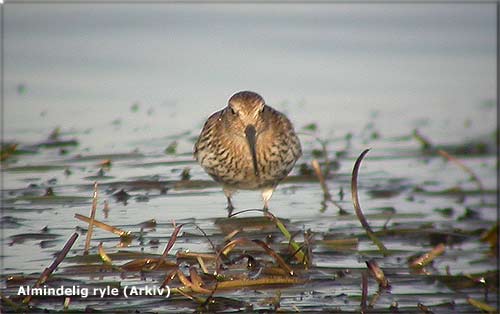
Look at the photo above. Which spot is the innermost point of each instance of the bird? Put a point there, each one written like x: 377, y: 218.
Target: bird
x: 247, y: 145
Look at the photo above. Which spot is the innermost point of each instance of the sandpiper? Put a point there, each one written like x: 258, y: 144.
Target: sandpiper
x: 247, y: 145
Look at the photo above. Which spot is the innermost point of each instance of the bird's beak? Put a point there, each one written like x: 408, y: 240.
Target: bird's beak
x: 250, y: 134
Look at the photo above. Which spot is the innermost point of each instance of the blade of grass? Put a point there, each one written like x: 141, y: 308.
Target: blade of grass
x: 7, y: 301
x: 202, y: 264
x: 103, y: 255
x: 428, y: 257
x: 195, y: 278
x: 340, y: 243
x: 232, y: 234
x: 321, y: 178
x: 106, y: 259
x: 106, y: 227
x: 364, y: 291
x: 378, y: 274
x: 49, y: 270
x: 357, y: 207
x: 482, y: 306
x: 169, y: 277
x: 146, y: 264
x: 248, y: 283
x: 245, y: 211
x: 194, y: 255
x: 204, y: 235
x: 170, y: 243
x: 464, y: 168
x: 296, y: 248
x: 188, y: 284
x: 491, y: 237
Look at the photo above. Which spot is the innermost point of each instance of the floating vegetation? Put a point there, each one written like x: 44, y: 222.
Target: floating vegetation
x: 171, y: 148
x: 418, y: 245
x: 35, y: 168
x: 7, y: 150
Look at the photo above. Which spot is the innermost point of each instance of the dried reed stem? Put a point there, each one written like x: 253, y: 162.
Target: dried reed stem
x: 91, y: 222
x: 104, y: 226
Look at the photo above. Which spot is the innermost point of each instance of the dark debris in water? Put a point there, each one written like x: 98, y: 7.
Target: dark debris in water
x: 23, y: 237
x: 439, y: 256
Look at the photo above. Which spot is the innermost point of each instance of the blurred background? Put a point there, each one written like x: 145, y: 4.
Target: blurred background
x: 124, y: 76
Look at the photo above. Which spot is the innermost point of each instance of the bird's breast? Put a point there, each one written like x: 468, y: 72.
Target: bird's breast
x: 228, y: 158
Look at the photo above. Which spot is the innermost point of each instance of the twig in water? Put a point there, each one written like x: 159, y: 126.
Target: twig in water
x: 424, y: 142
x: 326, y: 194
x: 102, y: 225
x: 193, y: 255
x: 364, y: 290
x: 378, y: 274
x: 245, y: 211
x: 195, y: 278
x: 232, y: 234
x: 428, y: 257
x: 427, y: 145
x: 374, y: 298
x: 321, y: 178
x: 203, y: 233
x: 202, y: 264
x: 249, y: 283
x: 169, y: 277
x: 466, y: 169
x: 424, y: 308
x: 91, y: 222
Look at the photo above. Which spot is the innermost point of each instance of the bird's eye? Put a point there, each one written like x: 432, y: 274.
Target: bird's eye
x: 232, y: 110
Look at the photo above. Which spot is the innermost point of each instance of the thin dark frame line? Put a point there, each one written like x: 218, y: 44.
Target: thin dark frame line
x: 250, y: 2
x: 2, y: 126
x: 498, y: 135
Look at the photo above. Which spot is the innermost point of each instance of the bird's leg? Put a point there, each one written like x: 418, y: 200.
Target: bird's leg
x: 266, y: 195
x: 266, y: 207
x: 228, y: 192
x: 229, y: 207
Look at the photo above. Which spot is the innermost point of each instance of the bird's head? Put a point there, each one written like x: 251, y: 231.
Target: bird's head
x: 246, y: 107
x: 244, y: 113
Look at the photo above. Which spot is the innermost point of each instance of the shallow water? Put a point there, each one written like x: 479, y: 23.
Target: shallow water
x: 125, y: 81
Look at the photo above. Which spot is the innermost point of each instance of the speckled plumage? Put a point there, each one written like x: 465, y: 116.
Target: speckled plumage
x: 248, y: 145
